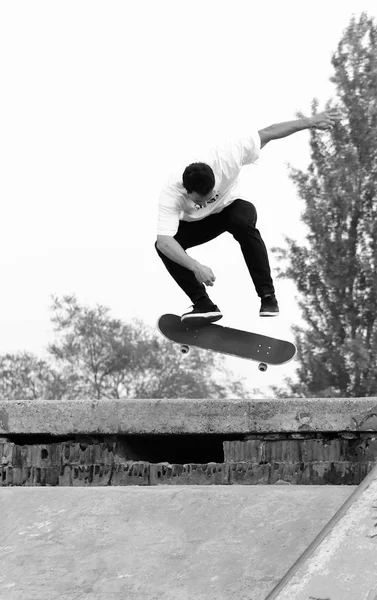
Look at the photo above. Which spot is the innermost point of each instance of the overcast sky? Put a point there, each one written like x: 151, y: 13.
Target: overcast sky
x: 99, y: 101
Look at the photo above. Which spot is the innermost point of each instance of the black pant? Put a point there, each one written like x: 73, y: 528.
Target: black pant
x: 239, y: 219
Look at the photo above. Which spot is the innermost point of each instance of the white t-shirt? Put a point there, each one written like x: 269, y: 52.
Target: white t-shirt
x: 226, y: 162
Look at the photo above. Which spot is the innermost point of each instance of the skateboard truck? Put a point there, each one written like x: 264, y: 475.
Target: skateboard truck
x: 185, y: 349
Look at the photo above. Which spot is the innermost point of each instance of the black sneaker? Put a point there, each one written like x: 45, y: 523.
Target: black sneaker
x: 269, y: 306
x: 203, y: 311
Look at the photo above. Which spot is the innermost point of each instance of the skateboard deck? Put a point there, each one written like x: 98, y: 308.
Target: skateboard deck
x: 253, y: 346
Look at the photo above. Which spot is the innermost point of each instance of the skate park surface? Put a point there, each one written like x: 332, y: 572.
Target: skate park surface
x: 304, y: 542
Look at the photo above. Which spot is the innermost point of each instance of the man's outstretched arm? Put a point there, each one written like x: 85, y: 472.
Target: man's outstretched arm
x: 323, y: 120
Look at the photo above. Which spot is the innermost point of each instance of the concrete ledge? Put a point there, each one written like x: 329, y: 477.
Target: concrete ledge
x: 184, y: 416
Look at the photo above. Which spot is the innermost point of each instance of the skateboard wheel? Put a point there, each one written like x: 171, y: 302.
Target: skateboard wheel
x: 262, y: 367
x: 185, y: 349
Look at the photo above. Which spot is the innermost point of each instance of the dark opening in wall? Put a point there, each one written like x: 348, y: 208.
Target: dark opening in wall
x: 175, y: 449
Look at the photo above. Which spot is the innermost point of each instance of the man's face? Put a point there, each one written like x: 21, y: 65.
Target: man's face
x: 201, y: 200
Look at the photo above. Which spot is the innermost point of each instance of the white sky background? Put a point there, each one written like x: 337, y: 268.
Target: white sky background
x: 99, y: 100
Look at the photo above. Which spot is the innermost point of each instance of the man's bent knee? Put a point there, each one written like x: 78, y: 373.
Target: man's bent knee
x: 243, y: 214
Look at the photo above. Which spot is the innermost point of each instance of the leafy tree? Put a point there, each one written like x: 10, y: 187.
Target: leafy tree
x: 336, y: 270
x: 98, y: 356
x: 24, y: 376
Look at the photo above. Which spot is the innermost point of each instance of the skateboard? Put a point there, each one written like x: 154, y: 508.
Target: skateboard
x: 235, y: 342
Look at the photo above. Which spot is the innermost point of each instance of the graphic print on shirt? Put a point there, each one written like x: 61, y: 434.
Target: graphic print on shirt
x: 199, y: 206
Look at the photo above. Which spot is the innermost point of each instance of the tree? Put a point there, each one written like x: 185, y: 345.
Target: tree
x: 336, y: 270
x: 98, y: 356
x: 24, y: 376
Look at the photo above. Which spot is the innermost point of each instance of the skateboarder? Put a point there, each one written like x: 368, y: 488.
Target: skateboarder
x: 201, y: 203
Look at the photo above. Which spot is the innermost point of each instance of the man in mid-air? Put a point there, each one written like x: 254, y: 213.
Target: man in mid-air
x: 199, y: 204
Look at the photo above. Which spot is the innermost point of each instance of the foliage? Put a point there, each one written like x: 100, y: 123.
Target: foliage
x: 335, y: 271
x: 23, y: 375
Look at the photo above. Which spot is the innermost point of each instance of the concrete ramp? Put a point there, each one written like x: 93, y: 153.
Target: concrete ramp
x: 341, y: 563
x: 157, y: 543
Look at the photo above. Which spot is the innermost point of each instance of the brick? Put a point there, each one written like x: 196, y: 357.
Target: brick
x: 243, y: 473
x: 188, y: 474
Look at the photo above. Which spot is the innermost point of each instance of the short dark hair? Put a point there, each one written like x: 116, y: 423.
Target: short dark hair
x: 198, y: 177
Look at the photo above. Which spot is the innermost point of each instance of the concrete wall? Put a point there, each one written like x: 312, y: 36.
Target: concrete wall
x: 186, y: 442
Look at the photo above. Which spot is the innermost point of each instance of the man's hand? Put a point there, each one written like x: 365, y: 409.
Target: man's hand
x: 325, y: 120
x: 204, y: 274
